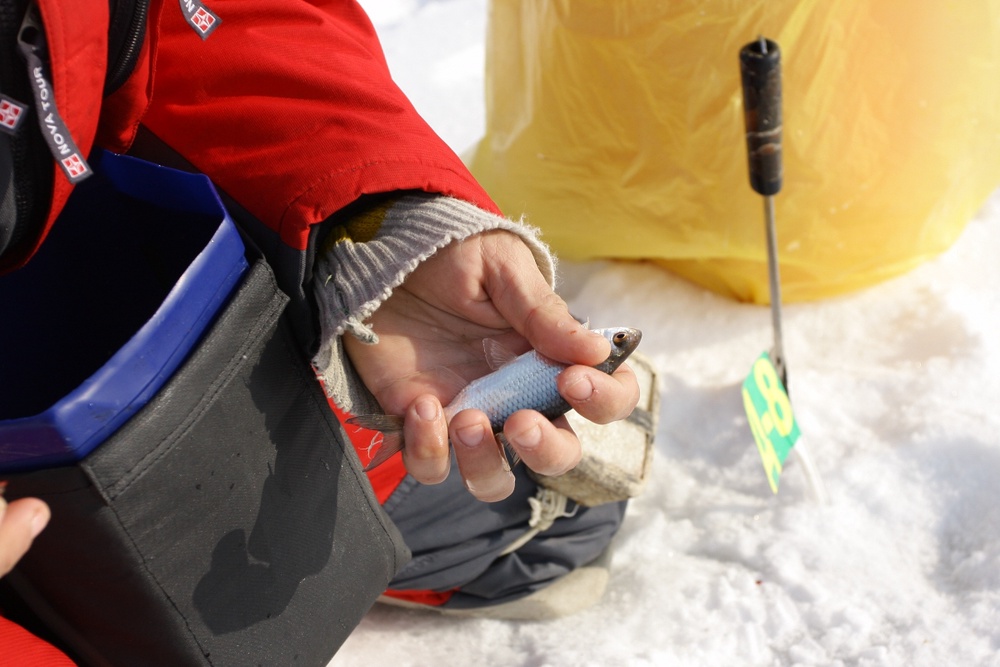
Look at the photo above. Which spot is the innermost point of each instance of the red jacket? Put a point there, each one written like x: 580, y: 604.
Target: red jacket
x: 288, y: 106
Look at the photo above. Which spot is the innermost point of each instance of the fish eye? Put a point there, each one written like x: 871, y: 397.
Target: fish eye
x: 619, y: 338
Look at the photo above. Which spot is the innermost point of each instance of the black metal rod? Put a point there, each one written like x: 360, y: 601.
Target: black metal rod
x: 760, y: 71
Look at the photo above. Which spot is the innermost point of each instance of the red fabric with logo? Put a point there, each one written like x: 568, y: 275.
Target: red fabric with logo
x: 289, y: 107
x: 77, y: 36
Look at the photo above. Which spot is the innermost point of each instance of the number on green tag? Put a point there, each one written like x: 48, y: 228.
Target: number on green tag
x: 770, y: 414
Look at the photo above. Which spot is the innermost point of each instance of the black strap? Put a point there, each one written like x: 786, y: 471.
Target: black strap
x: 34, y: 47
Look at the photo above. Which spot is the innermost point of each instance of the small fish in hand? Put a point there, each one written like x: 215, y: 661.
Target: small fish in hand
x: 526, y: 382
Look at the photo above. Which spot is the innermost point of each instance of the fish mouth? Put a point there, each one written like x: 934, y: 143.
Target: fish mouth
x: 623, y: 341
x: 627, y: 339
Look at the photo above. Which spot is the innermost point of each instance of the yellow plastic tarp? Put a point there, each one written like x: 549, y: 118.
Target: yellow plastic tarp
x: 617, y: 127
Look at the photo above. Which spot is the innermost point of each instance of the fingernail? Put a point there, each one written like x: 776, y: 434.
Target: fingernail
x: 38, y: 523
x: 427, y: 410
x: 493, y: 488
x: 471, y: 436
x: 529, y: 438
x: 580, y: 389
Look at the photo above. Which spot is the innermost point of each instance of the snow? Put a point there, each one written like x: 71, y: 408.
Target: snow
x: 896, y: 390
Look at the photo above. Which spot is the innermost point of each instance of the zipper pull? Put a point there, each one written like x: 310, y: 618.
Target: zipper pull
x: 201, y: 19
x: 31, y: 41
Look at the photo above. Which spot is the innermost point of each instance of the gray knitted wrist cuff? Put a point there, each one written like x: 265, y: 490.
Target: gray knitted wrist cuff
x: 352, y: 279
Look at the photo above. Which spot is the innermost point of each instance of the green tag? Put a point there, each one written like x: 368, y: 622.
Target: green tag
x: 771, y: 419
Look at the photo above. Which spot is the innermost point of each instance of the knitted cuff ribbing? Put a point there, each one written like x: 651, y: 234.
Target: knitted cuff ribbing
x: 352, y: 279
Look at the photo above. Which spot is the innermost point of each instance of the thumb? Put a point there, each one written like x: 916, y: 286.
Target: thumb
x: 526, y: 300
x: 20, y: 522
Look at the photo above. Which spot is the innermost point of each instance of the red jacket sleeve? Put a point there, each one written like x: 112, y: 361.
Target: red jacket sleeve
x: 290, y: 108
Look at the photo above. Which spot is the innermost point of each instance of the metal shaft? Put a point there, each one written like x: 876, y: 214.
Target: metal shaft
x: 774, y: 279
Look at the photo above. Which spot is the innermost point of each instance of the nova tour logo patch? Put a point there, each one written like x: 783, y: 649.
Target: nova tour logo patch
x: 202, y: 19
x: 12, y: 113
x: 76, y: 167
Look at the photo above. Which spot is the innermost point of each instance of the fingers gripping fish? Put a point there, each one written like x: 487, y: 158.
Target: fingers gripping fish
x: 526, y: 382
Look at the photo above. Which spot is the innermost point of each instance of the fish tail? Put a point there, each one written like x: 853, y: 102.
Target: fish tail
x: 389, y: 439
x: 387, y: 442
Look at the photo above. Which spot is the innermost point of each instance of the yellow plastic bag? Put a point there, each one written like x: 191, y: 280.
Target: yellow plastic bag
x: 617, y: 128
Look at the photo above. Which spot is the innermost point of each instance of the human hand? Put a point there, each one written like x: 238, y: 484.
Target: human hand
x: 431, y: 330
x: 20, y: 522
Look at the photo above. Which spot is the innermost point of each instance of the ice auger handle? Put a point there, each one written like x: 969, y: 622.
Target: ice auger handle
x: 760, y: 70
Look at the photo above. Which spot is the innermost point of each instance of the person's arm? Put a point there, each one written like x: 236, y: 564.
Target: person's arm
x: 415, y: 312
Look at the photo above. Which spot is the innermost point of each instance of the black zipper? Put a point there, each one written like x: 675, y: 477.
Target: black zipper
x: 126, y: 34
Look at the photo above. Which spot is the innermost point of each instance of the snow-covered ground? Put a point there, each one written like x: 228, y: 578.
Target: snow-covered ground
x: 896, y: 390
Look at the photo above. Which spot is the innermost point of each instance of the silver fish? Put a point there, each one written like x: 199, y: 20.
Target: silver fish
x: 517, y: 383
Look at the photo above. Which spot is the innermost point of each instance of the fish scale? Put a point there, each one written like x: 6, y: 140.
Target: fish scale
x: 528, y: 382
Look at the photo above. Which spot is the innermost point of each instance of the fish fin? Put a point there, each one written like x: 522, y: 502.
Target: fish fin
x: 386, y: 442
x: 507, y: 449
x: 449, y: 380
x: 497, y: 356
x: 387, y: 446
x: 383, y: 423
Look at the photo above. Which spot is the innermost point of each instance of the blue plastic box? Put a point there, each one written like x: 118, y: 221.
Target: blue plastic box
x: 131, y: 275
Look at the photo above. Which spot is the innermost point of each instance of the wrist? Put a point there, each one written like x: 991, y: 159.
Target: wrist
x: 353, y: 277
